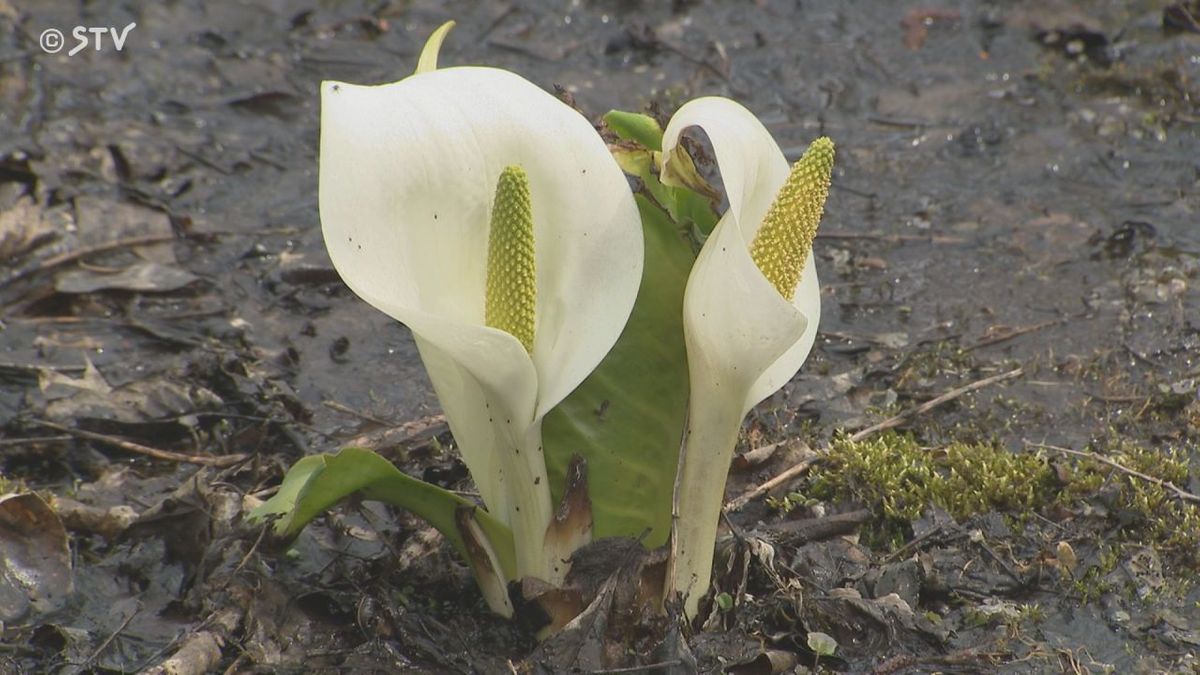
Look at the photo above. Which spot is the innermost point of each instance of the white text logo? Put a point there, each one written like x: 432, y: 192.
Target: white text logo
x: 52, y: 39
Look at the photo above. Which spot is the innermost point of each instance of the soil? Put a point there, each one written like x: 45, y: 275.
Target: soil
x: 1018, y: 185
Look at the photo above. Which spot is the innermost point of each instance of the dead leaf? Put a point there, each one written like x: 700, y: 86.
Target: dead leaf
x: 102, y: 220
x: 768, y: 662
x: 35, y: 562
x: 153, y: 399
x: 753, y: 458
x: 55, y: 385
x: 145, y: 277
x: 107, y: 522
x: 22, y: 229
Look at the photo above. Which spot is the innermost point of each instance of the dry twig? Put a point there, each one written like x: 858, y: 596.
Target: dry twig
x: 200, y: 652
x: 347, y: 410
x: 925, y: 407
x: 416, y: 432
x: 1005, y: 335
x: 895, y: 421
x: 85, y: 251
x: 118, y: 244
x: 138, y: 448
x: 1179, y: 492
x: 777, y: 480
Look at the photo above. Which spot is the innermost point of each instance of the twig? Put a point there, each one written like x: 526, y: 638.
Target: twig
x: 1116, y: 399
x: 925, y: 407
x: 268, y: 160
x: 142, y: 240
x: 937, y: 535
x: 31, y: 367
x: 797, y: 532
x: 347, y: 410
x: 138, y: 448
x: 112, y: 636
x: 71, y: 256
x: 804, y: 464
x: 1180, y: 493
x: 649, y: 667
x: 1142, y: 357
x: 108, y: 522
x: 249, y: 554
x: 415, y: 432
x: 1008, y: 569
x: 779, y: 479
x: 200, y: 652
x: 1012, y: 333
x: 203, y: 160
x: 33, y: 440
x: 897, y: 122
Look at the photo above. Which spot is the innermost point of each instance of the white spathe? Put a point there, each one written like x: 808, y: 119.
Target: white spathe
x: 744, y: 340
x: 408, y: 174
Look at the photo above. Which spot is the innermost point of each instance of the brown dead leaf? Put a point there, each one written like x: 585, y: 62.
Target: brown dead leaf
x: 55, y: 385
x: 101, y: 220
x: 35, y: 562
x: 22, y: 229
x: 768, y: 662
x: 143, y: 277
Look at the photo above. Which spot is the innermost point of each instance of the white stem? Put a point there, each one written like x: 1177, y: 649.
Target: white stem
x: 529, y: 498
x: 713, y: 426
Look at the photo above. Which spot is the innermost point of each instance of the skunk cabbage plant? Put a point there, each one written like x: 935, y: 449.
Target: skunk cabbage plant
x: 589, y: 395
x: 750, y: 310
x: 488, y: 217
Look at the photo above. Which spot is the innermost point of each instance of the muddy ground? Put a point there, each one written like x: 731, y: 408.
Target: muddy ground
x: 1018, y: 186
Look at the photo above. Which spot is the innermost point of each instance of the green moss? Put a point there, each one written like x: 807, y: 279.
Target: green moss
x: 935, y: 360
x: 1005, y: 613
x: 895, y: 475
x: 903, y: 479
x: 1151, y: 512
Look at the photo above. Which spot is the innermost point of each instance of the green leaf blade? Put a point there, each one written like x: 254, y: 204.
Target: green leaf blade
x: 627, y: 418
x: 318, y: 482
x: 635, y: 127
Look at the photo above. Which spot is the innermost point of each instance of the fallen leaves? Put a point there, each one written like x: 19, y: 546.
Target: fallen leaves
x: 36, y: 577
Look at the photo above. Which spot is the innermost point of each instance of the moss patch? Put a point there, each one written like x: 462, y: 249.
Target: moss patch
x: 900, y: 477
x: 893, y: 474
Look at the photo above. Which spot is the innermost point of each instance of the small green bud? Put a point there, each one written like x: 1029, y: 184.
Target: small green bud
x: 511, y: 300
x: 784, y: 242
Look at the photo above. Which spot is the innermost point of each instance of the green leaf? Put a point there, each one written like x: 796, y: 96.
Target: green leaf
x: 724, y: 601
x: 318, y: 482
x: 635, y: 127
x: 627, y: 418
x: 692, y: 196
x: 686, y: 207
x: 634, y: 161
x: 822, y: 644
x: 694, y: 208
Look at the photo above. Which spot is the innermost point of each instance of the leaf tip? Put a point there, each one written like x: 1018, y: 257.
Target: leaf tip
x: 428, y: 61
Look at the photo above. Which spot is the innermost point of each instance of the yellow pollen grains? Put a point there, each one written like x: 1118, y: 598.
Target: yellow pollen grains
x: 783, y: 243
x: 511, y: 298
